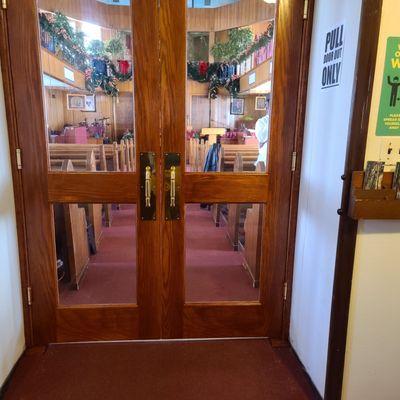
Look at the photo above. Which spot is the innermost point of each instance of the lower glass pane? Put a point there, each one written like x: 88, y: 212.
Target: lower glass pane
x: 223, y: 252
x: 96, y: 253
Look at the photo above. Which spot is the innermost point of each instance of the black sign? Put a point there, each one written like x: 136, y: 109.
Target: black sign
x: 333, y: 58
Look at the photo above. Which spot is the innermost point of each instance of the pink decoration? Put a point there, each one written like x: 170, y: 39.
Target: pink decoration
x: 75, y: 135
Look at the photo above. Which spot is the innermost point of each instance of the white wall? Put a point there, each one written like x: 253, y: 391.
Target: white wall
x: 326, y: 132
x: 372, y: 368
x: 11, y: 318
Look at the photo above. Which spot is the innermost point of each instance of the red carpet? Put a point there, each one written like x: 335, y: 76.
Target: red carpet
x: 202, y: 370
x: 214, y: 271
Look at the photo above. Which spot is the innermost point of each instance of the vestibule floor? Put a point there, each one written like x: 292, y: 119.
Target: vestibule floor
x: 213, y: 271
x: 175, y: 370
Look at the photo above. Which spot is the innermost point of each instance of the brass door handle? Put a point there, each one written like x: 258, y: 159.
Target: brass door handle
x: 172, y: 188
x: 147, y: 187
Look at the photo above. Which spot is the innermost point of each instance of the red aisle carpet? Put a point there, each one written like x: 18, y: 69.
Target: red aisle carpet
x: 202, y: 370
x: 214, y: 271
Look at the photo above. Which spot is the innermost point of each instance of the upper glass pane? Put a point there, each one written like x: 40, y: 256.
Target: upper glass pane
x: 86, y: 57
x: 229, y: 83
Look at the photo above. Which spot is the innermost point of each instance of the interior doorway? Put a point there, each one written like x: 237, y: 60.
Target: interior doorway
x: 200, y: 112
x: 132, y: 231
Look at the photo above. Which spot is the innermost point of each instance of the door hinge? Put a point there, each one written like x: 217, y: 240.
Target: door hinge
x: 305, y: 11
x: 29, y: 295
x: 19, y: 158
x: 285, y: 289
x: 294, y: 161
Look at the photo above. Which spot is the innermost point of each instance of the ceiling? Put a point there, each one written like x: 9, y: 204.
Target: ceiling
x: 208, y: 3
x: 190, y: 3
x: 116, y: 2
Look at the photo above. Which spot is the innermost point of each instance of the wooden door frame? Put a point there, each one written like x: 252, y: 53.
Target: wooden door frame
x: 289, y: 74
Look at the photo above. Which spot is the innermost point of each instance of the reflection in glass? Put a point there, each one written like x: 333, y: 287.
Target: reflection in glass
x: 223, y: 252
x: 86, y: 56
x: 96, y: 253
x: 229, y: 56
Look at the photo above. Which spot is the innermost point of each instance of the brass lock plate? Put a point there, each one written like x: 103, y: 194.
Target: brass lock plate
x: 148, y: 186
x: 172, y: 186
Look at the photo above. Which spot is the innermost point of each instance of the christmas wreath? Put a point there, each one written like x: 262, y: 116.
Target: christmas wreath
x: 104, y: 74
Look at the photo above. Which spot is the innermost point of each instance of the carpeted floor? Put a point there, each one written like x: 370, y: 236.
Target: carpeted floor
x: 197, y: 370
x: 214, y: 271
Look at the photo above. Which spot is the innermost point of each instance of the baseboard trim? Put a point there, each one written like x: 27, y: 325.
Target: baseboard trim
x: 4, y: 386
x: 316, y: 392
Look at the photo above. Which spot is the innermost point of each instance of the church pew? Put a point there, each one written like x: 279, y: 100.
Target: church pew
x: 107, y: 207
x: 75, y: 231
x: 198, y: 150
x: 253, y: 229
x: 86, y: 160
x: 79, y: 165
x: 113, y: 154
x: 236, y: 211
x: 94, y: 211
x: 249, y: 155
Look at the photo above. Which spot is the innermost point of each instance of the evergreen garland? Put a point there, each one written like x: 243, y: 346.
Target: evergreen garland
x: 108, y: 79
x: 262, y: 41
x: 232, y: 84
x: 69, y: 46
x: 67, y: 43
x: 118, y: 75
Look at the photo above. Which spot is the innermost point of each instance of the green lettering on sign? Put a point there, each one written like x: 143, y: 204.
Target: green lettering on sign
x: 389, y: 107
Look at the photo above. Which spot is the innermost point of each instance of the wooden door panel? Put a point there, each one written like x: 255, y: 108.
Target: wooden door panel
x: 229, y: 319
x: 88, y: 323
x: 86, y: 187
x: 235, y: 319
x: 223, y: 188
x: 52, y: 321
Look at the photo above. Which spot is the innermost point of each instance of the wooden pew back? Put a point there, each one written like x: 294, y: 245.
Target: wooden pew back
x: 76, y: 236
x: 253, y: 230
x: 117, y: 157
x: 198, y: 150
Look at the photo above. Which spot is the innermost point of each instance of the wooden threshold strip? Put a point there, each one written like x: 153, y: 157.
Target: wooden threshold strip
x: 92, y: 187
x: 226, y: 188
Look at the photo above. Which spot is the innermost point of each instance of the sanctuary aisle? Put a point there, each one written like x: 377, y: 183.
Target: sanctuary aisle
x: 214, y: 271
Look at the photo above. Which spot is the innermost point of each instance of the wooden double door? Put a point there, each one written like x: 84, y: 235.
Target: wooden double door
x: 161, y: 187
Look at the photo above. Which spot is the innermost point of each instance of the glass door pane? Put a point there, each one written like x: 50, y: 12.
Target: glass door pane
x: 86, y: 62
x: 229, y: 85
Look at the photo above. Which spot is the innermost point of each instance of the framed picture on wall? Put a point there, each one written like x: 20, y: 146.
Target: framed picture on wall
x: 261, y: 103
x: 237, y: 106
x: 90, y: 103
x: 76, y: 102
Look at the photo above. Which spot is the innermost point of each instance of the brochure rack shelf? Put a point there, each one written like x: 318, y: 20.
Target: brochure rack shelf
x: 373, y: 204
